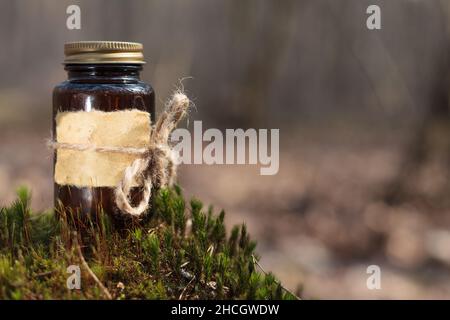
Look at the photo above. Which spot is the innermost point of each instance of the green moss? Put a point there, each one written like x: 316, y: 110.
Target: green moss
x: 182, y: 252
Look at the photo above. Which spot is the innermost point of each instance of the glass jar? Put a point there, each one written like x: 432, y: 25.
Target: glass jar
x: 102, y: 76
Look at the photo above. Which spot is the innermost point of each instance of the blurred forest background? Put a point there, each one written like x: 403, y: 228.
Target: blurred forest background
x: 363, y: 115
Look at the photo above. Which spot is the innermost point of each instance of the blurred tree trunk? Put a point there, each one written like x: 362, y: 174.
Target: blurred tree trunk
x: 267, y: 38
x: 430, y: 147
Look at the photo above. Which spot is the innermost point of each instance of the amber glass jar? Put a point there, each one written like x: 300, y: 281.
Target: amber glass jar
x: 103, y: 76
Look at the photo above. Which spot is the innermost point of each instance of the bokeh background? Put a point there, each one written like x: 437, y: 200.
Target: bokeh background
x: 363, y: 116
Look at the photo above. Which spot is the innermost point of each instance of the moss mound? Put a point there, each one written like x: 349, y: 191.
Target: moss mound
x: 181, y: 252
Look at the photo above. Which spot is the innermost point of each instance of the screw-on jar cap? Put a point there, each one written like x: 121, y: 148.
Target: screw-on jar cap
x: 83, y: 52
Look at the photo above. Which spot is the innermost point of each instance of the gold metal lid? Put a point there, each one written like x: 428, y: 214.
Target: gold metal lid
x: 83, y: 52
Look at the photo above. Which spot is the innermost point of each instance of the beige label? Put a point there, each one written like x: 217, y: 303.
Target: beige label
x: 129, y: 128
